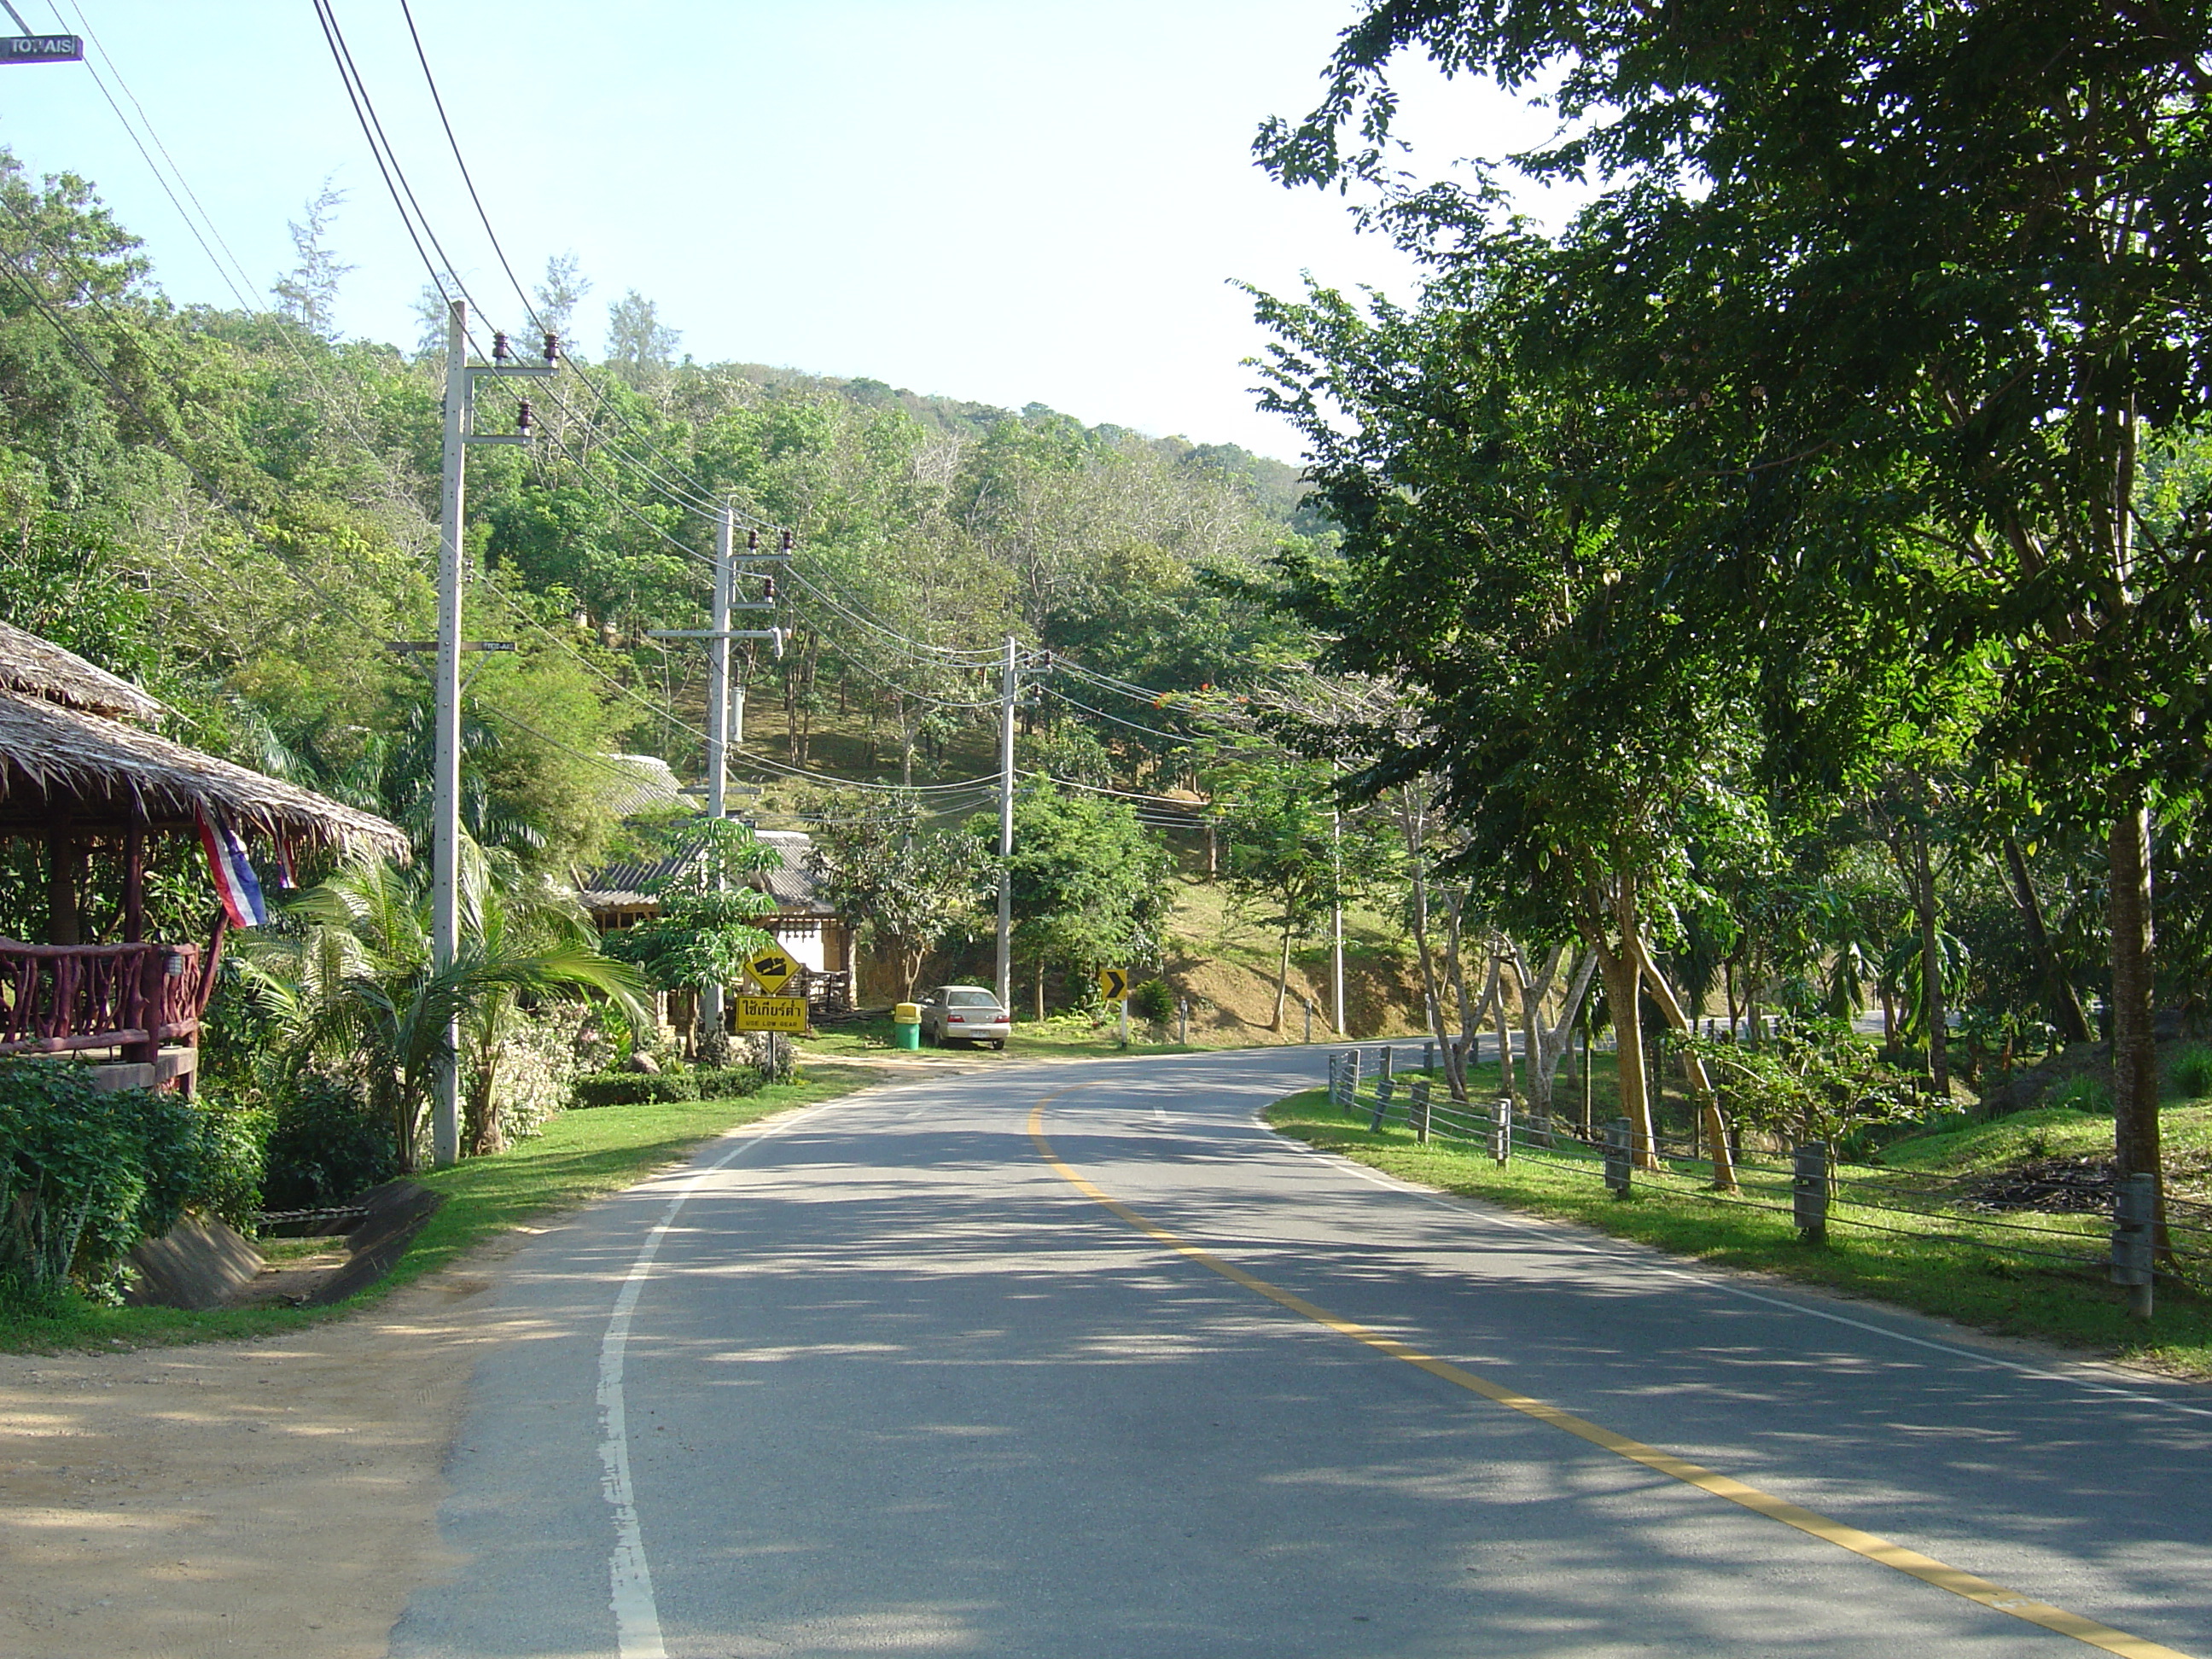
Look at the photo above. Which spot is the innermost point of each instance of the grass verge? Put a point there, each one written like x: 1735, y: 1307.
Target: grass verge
x: 2012, y: 1294
x: 1058, y: 1037
x: 581, y: 1156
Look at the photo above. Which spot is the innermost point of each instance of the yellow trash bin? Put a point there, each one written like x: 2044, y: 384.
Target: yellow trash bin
x: 906, y: 1026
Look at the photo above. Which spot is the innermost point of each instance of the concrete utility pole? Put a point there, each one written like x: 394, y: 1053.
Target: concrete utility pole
x: 1006, y: 960
x: 718, y: 638
x: 718, y: 719
x: 446, y: 682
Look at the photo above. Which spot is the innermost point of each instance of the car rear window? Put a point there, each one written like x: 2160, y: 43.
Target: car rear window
x: 970, y: 999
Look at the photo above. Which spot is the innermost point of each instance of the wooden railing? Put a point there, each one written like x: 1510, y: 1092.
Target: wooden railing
x: 58, y: 998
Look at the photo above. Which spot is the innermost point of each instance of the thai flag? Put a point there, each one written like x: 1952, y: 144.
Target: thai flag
x: 235, y: 882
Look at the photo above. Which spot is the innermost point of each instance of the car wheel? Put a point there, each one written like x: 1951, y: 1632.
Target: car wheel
x: 1000, y: 1045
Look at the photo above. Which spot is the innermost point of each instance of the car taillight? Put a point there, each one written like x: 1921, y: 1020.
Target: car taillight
x: 957, y: 1019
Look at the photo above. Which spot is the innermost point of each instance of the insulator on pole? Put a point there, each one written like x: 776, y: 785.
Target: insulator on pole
x: 786, y: 541
x: 552, y: 348
x: 522, y: 418
x: 499, y: 351
x: 752, y: 541
x: 768, y: 593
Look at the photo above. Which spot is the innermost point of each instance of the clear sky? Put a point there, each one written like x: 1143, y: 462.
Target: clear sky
x: 1004, y: 200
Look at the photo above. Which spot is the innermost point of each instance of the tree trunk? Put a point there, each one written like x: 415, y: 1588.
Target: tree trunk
x: 1589, y: 1079
x: 1455, y: 1048
x: 1709, y: 1100
x: 1416, y: 846
x: 1282, y: 981
x: 1505, y: 1031
x: 2135, y: 1049
x: 1620, y: 996
x: 1040, y: 989
x: 1931, y: 970
x: 2065, y: 1006
x: 1622, y: 1004
x: 484, y: 1137
x: 1556, y: 1041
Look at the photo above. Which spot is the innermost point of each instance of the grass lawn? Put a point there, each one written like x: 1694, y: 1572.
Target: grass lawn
x: 2003, y: 1289
x: 581, y: 1155
x: 1057, y: 1036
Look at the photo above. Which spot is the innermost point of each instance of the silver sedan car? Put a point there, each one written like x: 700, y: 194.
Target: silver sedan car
x: 962, y: 1013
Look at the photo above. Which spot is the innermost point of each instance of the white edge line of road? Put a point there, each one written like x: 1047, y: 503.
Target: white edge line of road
x: 1449, y: 1201
x: 637, y: 1614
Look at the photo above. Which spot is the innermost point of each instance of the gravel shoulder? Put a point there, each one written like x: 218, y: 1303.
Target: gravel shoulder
x: 271, y: 1497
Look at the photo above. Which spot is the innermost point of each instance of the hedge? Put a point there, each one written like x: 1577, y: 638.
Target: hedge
x: 635, y: 1088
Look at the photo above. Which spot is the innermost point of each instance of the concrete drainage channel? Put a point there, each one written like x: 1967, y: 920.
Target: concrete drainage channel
x: 203, y: 1263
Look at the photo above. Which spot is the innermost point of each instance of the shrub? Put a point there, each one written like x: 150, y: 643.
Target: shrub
x: 2081, y: 1093
x: 635, y: 1088
x: 2190, y: 1071
x: 727, y: 1082
x: 325, y: 1145
x: 537, y: 1064
x: 236, y: 1163
x: 1154, y: 1001
x: 85, y: 1173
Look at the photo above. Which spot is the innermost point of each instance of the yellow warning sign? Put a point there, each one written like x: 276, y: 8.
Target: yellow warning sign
x: 772, y: 968
x: 786, y: 1014
x: 1114, y: 984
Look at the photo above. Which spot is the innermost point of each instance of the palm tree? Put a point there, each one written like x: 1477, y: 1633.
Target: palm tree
x: 350, y: 979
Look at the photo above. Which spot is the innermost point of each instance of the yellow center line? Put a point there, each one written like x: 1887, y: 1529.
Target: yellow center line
x: 1912, y: 1563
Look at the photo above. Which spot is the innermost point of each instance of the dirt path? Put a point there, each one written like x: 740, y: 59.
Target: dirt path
x: 274, y: 1498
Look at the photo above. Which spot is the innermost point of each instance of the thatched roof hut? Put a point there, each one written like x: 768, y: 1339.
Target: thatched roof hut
x: 32, y: 667
x: 102, y: 774
x: 74, y: 752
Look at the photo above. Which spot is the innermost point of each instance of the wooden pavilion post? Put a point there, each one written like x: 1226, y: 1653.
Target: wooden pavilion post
x: 134, y: 877
x: 62, y: 862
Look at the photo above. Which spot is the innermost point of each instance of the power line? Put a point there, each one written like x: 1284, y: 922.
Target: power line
x: 372, y: 131
x: 1192, y: 807
x: 1150, y: 730
x: 423, y: 57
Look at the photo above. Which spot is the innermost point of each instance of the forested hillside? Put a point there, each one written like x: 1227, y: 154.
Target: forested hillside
x: 238, y: 510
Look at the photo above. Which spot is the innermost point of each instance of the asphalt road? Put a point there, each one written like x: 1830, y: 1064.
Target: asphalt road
x: 885, y: 1378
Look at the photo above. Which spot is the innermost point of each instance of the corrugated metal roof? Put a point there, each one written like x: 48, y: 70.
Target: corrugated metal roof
x: 630, y: 884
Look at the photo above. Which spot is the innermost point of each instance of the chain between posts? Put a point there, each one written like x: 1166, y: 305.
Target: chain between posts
x: 2135, y: 1208
x: 1813, y: 1176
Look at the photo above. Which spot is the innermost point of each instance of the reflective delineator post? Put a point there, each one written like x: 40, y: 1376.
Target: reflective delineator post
x: 2134, y: 1204
x: 1809, y: 1191
x: 1417, y: 1099
x: 1617, y: 1162
x: 1501, y: 1128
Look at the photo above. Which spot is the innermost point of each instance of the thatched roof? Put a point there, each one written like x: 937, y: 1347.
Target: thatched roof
x: 57, y: 760
x: 34, y: 667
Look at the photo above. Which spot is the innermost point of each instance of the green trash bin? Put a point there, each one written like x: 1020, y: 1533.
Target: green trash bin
x: 906, y: 1026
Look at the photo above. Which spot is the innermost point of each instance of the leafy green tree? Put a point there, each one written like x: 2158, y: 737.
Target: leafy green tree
x: 1286, y: 852
x: 308, y: 293
x: 1088, y: 884
x: 1897, y: 265
x: 638, y: 342
x: 709, y: 919
x: 565, y: 287
x: 912, y: 887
